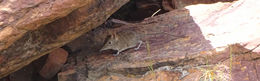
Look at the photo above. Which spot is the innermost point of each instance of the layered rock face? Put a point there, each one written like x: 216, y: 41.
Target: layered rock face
x: 182, y: 44
x: 31, y: 29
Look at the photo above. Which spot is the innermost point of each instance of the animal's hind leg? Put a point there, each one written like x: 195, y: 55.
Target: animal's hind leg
x: 139, y: 45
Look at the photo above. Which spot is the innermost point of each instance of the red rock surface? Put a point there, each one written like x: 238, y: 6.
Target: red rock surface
x: 18, y: 17
x: 31, y: 29
x: 229, y: 23
x: 204, y: 26
x: 54, y: 63
x: 69, y: 75
x: 196, y: 53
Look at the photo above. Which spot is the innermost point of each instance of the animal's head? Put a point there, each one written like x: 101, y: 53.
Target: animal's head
x: 111, y: 43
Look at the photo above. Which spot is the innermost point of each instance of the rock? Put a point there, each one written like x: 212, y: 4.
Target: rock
x: 151, y: 76
x: 31, y: 29
x: 196, y: 30
x: 187, y: 39
x: 1, y: 59
x: 69, y: 75
x: 54, y: 63
x: 178, y: 4
x: 25, y: 74
x: 196, y: 52
x: 5, y: 79
x: 74, y: 73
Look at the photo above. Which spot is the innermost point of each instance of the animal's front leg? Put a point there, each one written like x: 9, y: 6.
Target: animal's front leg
x: 117, y: 53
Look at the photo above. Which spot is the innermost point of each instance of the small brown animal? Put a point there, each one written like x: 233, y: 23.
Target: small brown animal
x: 122, y: 41
x: 122, y: 38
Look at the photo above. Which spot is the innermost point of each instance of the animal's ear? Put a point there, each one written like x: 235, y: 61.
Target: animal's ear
x: 112, y: 36
x: 115, y: 36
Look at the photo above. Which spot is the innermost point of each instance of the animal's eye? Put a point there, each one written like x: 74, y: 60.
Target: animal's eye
x: 109, y: 42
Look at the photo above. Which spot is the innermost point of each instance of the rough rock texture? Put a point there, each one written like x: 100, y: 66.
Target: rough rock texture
x: 188, y: 58
x: 26, y: 74
x: 229, y: 23
x: 170, y: 37
x: 68, y: 75
x: 182, y: 52
x: 54, y: 63
x: 24, y: 35
x: 177, y: 4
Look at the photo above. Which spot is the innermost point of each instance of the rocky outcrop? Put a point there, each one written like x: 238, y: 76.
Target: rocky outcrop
x: 55, y: 61
x: 31, y: 29
x: 193, y: 56
x: 190, y: 43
